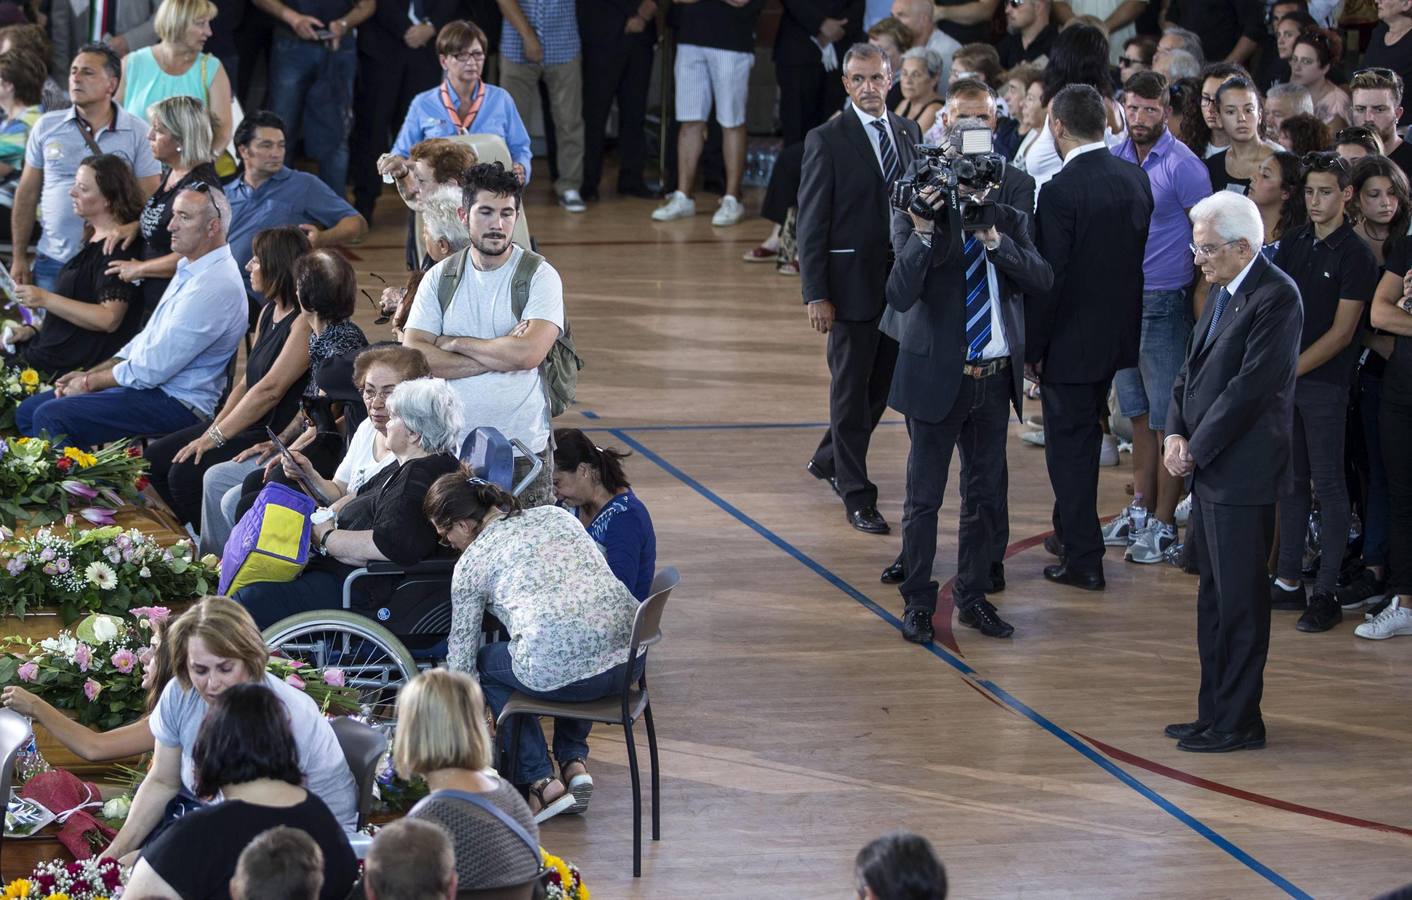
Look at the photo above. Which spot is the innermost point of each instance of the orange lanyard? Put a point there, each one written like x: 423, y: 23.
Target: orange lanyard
x: 463, y: 125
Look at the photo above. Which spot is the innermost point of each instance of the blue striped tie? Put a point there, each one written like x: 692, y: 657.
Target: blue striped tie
x: 889, y: 156
x: 977, y: 299
x: 1222, y: 298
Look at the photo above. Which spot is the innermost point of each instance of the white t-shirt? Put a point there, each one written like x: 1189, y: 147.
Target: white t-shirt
x: 359, y: 465
x: 513, y: 402
x: 180, y: 711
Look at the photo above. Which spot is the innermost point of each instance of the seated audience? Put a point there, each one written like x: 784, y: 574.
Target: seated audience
x: 246, y: 756
x: 34, y: 40
x: 1277, y: 190
x: 590, y: 481
x: 276, y: 373
x: 1013, y: 88
x: 280, y: 864
x: 410, y: 859
x: 435, y: 163
x: 1238, y: 105
x: 1032, y: 122
x: 1176, y: 65
x: 920, y: 100
x: 180, y: 138
x: 570, y: 620
x: 383, y: 521
x: 170, y: 375
x: 1303, y: 133
x: 1357, y: 141
x: 892, y: 37
x: 1284, y: 101
x: 919, y: 30
x: 89, y: 315
x: 1315, y: 52
x: 1177, y: 38
x: 176, y: 67
x: 1030, y: 34
x: 462, y: 104
x: 57, y: 143
x: 976, y: 62
x: 21, y: 81
x: 899, y: 866
x: 442, y: 737
x: 1138, y: 56
x: 214, y: 647
x: 268, y: 194
x: 1079, y: 56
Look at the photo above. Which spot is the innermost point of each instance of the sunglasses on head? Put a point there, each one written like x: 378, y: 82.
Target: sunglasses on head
x: 1125, y: 61
x: 1324, y: 161
x: 1353, y: 134
x: 202, y: 187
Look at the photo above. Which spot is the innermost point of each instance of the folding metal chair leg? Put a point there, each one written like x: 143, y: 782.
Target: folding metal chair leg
x: 636, y: 802
x: 656, y: 779
x: 513, y: 763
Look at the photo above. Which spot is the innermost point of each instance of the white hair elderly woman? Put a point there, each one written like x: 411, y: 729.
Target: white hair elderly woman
x: 384, y: 520
x: 921, y: 67
x: 443, y: 232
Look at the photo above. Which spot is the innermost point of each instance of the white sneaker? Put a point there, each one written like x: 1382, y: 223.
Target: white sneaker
x: 730, y: 212
x: 1150, y: 545
x: 678, y: 206
x: 1184, y: 510
x: 1108, y: 455
x: 1391, y: 622
x: 1033, y: 437
x: 573, y: 202
x: 1121, y: 531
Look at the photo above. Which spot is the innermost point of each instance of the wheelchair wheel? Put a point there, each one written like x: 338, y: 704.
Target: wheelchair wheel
x: 373, y: 660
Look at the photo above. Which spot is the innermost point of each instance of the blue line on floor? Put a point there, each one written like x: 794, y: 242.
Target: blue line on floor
x: 713, y: 426
x: 965, y: 669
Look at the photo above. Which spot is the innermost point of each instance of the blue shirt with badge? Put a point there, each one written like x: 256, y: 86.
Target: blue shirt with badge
x: 427, y: 118
x: 56, y: 146
x: 288, y: 197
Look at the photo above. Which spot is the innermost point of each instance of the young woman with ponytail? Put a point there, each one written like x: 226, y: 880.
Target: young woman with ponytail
x: 590, y: 481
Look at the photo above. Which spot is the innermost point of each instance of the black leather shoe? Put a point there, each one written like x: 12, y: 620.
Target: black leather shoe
x: 1283, y: 599
x: 997, y: 578
x: 894, y: 574
x: 1323, y: 613
x: 1060, y: 574
x: 813, y: 469
x: 917, y: 626
x: 1182, y: 731
x: 1250, y: 738
x: 869, y: 520
x: 982, y: 616
x: 1053, y: 546
x: 638, y: 190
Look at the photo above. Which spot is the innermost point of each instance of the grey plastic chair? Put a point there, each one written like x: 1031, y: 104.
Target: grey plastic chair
x: 15, y: 733
x: 363, y: 748
x: 622, y: 710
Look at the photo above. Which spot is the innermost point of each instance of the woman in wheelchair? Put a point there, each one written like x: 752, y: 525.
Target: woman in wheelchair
x: 569, y: 618
x: 590, y: 481
x: 383, y: 521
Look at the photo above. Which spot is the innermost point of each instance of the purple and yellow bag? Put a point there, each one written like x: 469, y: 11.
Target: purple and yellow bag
x: 270, y: 542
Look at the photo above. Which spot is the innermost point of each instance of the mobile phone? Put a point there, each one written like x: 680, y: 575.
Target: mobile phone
x: 310, y: 486
x: 323, y: 34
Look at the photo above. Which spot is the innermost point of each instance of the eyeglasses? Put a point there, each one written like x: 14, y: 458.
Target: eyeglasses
x: 1016, y: 3
x: 382, y: 317
x: 1208, y: 250
x: 202, y: 187
x: 370, y: 394
x: 468, y: 56
x: 1124, y: 61
x: 1324, y: 161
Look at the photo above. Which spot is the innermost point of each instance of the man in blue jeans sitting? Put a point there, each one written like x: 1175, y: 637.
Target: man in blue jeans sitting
x: 170, y: 375
x: 313, y: 64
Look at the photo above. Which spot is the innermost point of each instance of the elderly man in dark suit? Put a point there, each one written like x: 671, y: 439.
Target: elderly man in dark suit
x: 850, y: 163
x: 1092, y: 227
x: 1229, y: 432
x: 955, y: 299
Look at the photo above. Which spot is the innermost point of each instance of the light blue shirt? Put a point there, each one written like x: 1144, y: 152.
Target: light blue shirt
x: 289, y: 197
x: 427, y: 118
x: 192, y: 335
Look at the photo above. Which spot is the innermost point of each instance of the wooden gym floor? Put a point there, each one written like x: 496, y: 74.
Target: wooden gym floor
x: 795, y: 723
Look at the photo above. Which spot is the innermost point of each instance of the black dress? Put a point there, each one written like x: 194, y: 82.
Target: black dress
x: 1222, y: 180
x: 61, y: 346
x: 156, y: 217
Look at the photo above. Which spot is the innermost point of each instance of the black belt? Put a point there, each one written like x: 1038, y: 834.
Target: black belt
x: 987, y: 368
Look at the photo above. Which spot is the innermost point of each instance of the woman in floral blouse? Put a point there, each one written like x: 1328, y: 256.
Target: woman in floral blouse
x: 569, y: 617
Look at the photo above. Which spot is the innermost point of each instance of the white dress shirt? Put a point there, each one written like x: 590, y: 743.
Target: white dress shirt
x: 874, y: 137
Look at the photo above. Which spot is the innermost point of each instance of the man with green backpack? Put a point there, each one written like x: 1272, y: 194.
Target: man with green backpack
x: 490, y: 319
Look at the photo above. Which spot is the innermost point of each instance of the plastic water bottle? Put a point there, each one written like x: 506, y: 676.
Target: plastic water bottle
x: 1138, y: 514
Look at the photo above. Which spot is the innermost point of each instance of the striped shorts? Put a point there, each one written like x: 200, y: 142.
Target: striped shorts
x: 704, y: 74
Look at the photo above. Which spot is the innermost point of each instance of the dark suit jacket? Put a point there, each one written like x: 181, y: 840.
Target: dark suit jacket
x: 1234, y: 398
x: 1017, y: 189
x: 926, y: 310
x: 382, y: 32
x: 602, y: 21
x: 844, y: 214
x: 1092, y: 228
x: 794, y: 42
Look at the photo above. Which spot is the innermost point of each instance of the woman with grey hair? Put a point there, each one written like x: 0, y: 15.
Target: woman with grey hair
x: 921, y: 67
x: 443, y: 232
x: 383, y: 521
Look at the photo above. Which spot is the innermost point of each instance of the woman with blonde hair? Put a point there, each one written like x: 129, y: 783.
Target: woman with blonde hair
x: 442, y: 736
x: 176, y: 66
x: 214, y: 646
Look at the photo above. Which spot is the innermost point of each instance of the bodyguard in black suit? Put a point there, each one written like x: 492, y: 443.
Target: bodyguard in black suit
x: 844, y: 257
x: 809, y: 93
x: 955, y: 304
x: 1229, y: 432
x: 617, y: 37
x: 1092, y: 228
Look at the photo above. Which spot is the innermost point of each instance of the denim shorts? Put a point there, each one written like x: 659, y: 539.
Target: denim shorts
x: 1166, y: 326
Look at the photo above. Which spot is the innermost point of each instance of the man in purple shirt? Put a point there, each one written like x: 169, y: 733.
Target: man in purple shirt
x: 1179, y: 181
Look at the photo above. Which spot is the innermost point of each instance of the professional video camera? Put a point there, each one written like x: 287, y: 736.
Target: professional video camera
x: 978, y: 168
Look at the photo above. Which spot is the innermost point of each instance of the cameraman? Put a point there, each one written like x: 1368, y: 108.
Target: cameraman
x: 955, y: 307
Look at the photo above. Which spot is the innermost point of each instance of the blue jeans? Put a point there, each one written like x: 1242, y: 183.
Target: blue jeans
x: 311, y: 89
x: 498, y: 682
x: 270, y: 601
x: 1147, y: 389
x: 86, y: 420
x: 46, y: 271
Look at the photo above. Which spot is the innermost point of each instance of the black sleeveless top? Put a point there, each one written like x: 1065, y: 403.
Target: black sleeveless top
x: 263, y: 354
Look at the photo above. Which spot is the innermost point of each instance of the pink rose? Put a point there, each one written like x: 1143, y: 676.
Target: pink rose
x: 296, y: 663
x: 154, y: 614
x: 83, y: 656
x: 295, y: 680
x: 334, y: 677
x: 91, y: 689
x: 124, y: 660
x: 29, y: 671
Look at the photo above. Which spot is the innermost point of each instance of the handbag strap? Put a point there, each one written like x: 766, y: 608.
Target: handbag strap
x: 478, y: 801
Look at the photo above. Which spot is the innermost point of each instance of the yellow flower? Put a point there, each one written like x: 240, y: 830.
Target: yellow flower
x: 16, y: 889
x: 83, y: 459
x: 29, y: 378
x: 23, y: 441
x: 57, y: 897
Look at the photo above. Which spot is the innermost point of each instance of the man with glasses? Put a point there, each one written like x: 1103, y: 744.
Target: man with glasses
x: 1030, y: 33
x: 1377, y: 103
x: 170, y: 375
x: 1228, y: 433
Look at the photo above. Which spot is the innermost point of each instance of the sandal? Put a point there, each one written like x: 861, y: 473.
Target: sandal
x: 548, y: 809
x: 580, y: 786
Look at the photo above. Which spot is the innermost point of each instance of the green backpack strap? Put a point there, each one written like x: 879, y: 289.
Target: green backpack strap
x: 520, y: 282
x: 450, y: 277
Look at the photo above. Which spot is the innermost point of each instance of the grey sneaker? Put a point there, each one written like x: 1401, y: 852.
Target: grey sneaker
x: 1150, y: 545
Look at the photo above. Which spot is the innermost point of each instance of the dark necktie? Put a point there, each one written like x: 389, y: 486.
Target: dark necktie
x: 889, y: 156
x: 977, y: 299
x: 1222, y: 298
